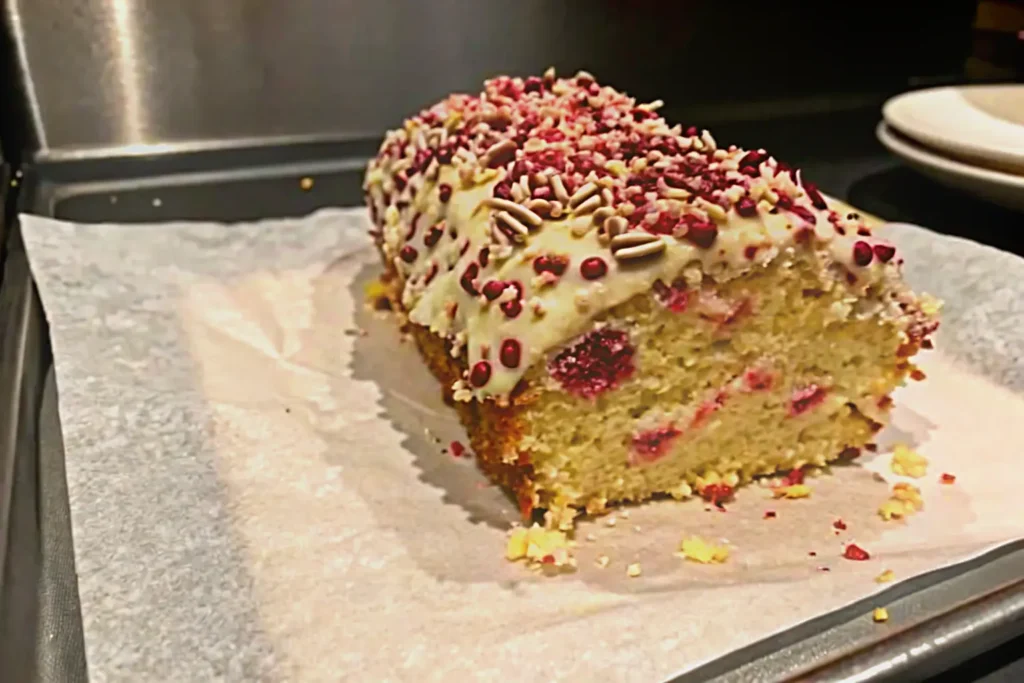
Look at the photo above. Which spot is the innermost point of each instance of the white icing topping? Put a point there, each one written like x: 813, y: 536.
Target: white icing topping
x: 508, y: 281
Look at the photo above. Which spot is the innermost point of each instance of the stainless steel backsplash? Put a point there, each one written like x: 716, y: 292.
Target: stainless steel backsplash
x: 137, y: 76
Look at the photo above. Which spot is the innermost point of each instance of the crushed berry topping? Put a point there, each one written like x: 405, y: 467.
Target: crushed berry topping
x: 884, y: 252
x: 597, y: 363
x: 947, y: 478
x: 839, y: 524
x: 855, y: 552
x: 444, y: 192
x: 550, y: 263
x: 456, y: 449
x: 703, y: 234
x: 746, y: 207
x: 862, y: 253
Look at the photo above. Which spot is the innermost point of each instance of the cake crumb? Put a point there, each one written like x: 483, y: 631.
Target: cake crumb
x: 306, y: 184
x: 610, y: 521
x: 540, y: 547
x: 886, y: 576
x: 602, y: 561
x: 681, y: 492
x: 699, y: 550
x: 907, y: 463
x: 880, y: 614
x: 793, y: 491
x: 591, y: 537
x: 906, y: 499
x: 947, y: 478
x: 634, y: 570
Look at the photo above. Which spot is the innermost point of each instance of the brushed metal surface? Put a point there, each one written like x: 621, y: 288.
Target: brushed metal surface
x: 146, y: 76
x: 156, y: 74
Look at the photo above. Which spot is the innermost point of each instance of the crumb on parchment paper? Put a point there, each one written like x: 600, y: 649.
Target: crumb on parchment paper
x: 886, y: 576
x: 792, y: 491
x: 698, y: 550
x: 907, y: 463
x: 905, y: 500
x: 880, y: 614
x: 540, y: 547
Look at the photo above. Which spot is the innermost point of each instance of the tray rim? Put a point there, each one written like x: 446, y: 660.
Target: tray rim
x: 918, y: 635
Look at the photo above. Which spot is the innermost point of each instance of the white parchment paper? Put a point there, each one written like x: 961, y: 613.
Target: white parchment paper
x: 257, y: 488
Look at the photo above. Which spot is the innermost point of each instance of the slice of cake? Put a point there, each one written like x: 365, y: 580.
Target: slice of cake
x: 621, y: 308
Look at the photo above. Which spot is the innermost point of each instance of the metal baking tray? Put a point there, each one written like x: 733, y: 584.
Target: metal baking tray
x: 937, y: 621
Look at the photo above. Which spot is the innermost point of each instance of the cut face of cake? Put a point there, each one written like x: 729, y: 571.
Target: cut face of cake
x: 620, y: 308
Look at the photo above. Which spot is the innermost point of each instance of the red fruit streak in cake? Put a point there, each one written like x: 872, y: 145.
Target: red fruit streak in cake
x: 806, y: 398
x: 708, y: 408
x: 756, y: 379
x: 675, y: 297
x: 653, y: 444
x: 598, y: 362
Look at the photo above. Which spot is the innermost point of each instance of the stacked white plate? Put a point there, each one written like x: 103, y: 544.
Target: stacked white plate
x: 969, y: 137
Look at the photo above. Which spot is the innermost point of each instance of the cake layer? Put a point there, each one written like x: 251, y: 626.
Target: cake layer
x: 620, y: 308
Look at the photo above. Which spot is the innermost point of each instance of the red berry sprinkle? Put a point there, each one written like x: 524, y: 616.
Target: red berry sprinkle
x: 444, y: 192
x: 456, y: 449
x: 468, y: 278
x: 746, y: 207
x: 862, y: 253
x: 769, y: 514
x: 550, y: 263
x: 815, y: 196
x: 512, y: 308
x: 839, y: 524
x: 703, y: 234
x: 408, y: 253
x: 855, y: 552
x: 947, y: 478
x: 492, y: 289
x: 480, y: 374
x: 884, y: 252
x: 511, y: 353
x: 750, y: 252
x: 484, y: 256
x: 593, y: 268
x: 433, y: 235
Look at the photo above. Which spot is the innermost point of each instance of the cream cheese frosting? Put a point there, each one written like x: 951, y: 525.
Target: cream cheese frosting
x: 515, y: 217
